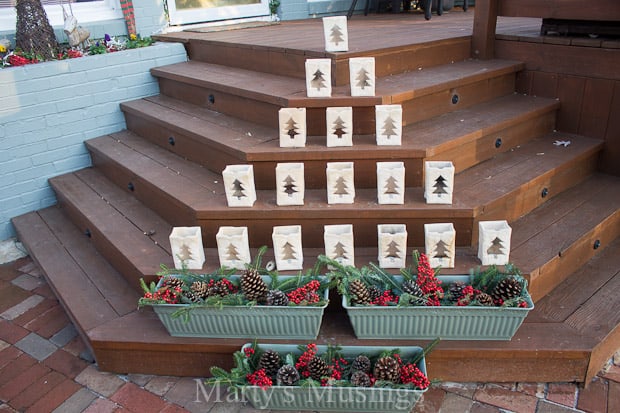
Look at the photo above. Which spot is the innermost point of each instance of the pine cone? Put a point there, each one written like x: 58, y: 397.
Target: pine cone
x: 252, y: 285
x: 413, y: 289
x: 276, y: 298
x: 171, y: 282
x: 287, y: 376
x: 359, y: 293
x: 219, y: 288
x: 318, y: 368
x: 374, y: 292
x: 360, y: 379
x: 387, y: 368
x: 192, y: 297
x: 361, y: 363
x: 270, y: 361
x: 456, y: 290
x: 200, y: 289
x: 507, y: 289
x: 484, y: 299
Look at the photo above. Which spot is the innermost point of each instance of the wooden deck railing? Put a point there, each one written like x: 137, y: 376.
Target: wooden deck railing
x: 486, y: 13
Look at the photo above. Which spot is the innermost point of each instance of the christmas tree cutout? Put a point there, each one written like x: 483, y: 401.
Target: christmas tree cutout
x: 339, y: 127
x: 231, y: 253
x: 340, y: 251
x: 391, y: 186
x: 392, y: 250
x: 496, y: 247
x: 238, y: 189
x: 291, y: 128
x: 289, y: 186
x: 288, y: 252
x: 440, y: 186
x: 318, y: 81
x: 441, y: 250
x: 185, y: 253
x: 362, y: 79
x: 336, y: 34
x: 389, y: 127
x: 341, y: 186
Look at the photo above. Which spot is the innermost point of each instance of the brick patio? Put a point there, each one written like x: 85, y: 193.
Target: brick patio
x: 45, y: 367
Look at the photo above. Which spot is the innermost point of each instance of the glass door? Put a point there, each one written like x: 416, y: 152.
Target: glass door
x: 200, y: 11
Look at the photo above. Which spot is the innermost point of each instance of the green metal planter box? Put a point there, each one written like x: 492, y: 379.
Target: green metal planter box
x: 336, y: 399
x: 445, y: 322
x: 272, y: 322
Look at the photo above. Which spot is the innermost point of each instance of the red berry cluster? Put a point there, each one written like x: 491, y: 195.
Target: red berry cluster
x: 259, y: 378
x: 232, y: 288
x: 306, y: 294
x: 248, y: 351
x: 467, y: 294
x: 304, y: 359
x: 166, y: 294
x: 385, y: 299
x: 410, y: 373
x: 430, y: 285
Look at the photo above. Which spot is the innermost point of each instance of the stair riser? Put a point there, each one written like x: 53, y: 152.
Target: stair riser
x: 529, y: 196
x: 263, y: 109
x: 573, y: 256
x: 186, y: 144
x: 485, y: 147
x: 364, y: 230
x: 291, y: 63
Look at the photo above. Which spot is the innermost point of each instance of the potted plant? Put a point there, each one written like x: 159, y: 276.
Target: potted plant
x: 256, y: 303
x: 488, y: 304
x: 326, y: 377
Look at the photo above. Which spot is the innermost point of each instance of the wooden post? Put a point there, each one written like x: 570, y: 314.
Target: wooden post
x: 483, y: 38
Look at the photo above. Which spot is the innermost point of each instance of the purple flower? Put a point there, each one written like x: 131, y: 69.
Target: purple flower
x: 107, y: 38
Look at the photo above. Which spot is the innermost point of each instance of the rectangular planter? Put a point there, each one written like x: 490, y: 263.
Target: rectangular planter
x: 336, y: 399
x: 273, y: 322
x: 446, y: 322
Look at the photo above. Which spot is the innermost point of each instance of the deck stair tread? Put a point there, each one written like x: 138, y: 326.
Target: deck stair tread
x: 138, y: 333
x: 476, y: 188
x: 251, y: 142
x: 291, y: 92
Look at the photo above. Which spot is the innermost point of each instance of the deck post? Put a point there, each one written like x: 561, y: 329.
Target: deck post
x: 485, y: 21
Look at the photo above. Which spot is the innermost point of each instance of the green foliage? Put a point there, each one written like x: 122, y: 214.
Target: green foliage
x: 273, y: 6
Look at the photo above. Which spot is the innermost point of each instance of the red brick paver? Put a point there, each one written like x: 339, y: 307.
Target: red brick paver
x: 137, y: 399
x: 506, y: 399
x: 593, y: 399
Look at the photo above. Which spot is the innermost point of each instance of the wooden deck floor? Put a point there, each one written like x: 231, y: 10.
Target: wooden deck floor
x: 396, y: 30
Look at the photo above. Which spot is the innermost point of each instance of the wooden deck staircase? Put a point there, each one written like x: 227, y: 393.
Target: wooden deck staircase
x: 112, y: 221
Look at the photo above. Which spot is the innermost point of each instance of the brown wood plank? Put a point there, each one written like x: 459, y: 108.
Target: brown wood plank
x: 570, y: 93
x: 151, y: 224
x: 68, y: 281
x: 111, y: 285
x: 132, y: 253
x: 611, y: 152
x: 596, y: 106
x: 573, y: 293
x: 605, y: 10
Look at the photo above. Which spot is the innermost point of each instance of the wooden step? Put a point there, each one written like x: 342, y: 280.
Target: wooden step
x: 564, y: 233
x: 465, y: 137
x: 567, y: 337
x: 505, y: 187
x: 283, y: 49
x: 257, y: 97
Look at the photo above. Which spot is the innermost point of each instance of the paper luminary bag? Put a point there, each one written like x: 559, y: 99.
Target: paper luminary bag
x: 233, y: 247
x: 339, y: 126
x: 494, y: 242
x: 338, y: 241
x: 440, y: 244
x: 438, y: 182
x: 186, y: 247
x: 391, y: 182
x: 362, y: 76
x: 318, y: 78
x: 392, y: 245
x: 287, y: 247
x: 290, y: 183
x: 389, y: 124
x: 340, y: 183
x: 239, y: 185
x: 292, y: 123
x: 336, y: 34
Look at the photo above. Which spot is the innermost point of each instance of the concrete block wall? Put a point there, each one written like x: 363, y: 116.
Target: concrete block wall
x: 49, y: 109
